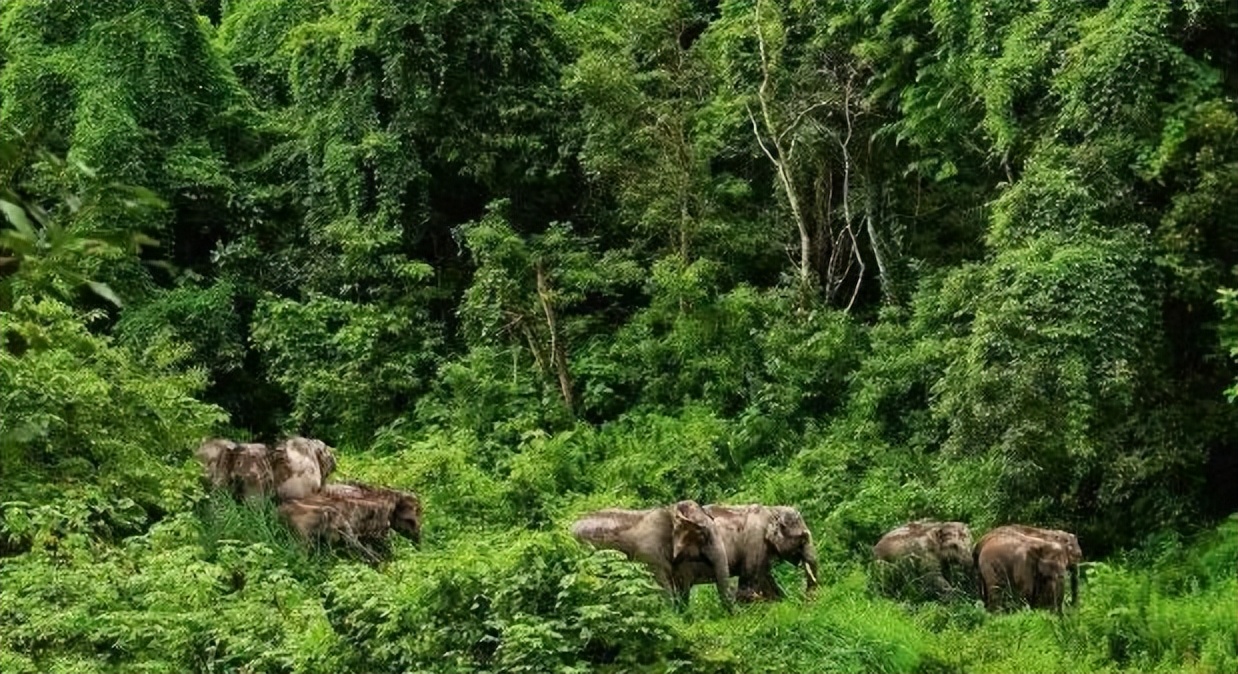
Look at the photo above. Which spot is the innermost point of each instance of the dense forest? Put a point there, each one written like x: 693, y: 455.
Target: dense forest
x: 877, y: 260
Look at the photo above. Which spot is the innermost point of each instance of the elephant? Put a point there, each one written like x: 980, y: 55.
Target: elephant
x: 665, y: 539
x: 929, y: 547
x: 300, y: 466
x: 244, y: 469
x: 296, y: 468
x: 1032, y: 568
x: 1065, y: 539
x: 755, y: 537
x: 317, y: 518
x: 216, y: 455
x: 399, y: 510
x: 251, y: 472
x: 358, y: 515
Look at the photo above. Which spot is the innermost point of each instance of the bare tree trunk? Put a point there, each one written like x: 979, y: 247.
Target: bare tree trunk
x: 781, y: 162
x: 535, y: 349
x: 558, y: 354
x: 878, y: 245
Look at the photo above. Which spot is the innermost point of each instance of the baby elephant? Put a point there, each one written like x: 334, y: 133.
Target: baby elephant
x: 1031, y: 568
x: 1063, y: 538
x: 927, y: 549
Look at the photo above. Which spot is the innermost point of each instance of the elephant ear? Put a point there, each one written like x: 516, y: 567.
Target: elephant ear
x: 939, y: 536
x: 690, y: 530
x: 777, y: 530
x: 690, y: 515
x: 1051, y: 559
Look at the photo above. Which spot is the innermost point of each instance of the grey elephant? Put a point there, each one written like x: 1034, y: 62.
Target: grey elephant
x: 398, y: 510
x: 666, y: 540
x: 1064, y: 538
x: 755, y: 538
x: 359, y: 516
x: 294, y: 469
x: 216, y: 456
x: 1032, y: 569
x: 300, y: 466
x: 928, y: 549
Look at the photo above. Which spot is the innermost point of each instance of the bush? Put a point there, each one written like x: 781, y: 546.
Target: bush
x: 535, y: 602
x: 93, y: 437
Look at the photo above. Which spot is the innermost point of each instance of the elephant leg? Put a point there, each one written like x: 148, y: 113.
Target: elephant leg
x: 681, y: 595
x: 768, y: 587
x: 664, y: 578
x: 992, y: 594
x: 754, y: 589
x: 811, y: 568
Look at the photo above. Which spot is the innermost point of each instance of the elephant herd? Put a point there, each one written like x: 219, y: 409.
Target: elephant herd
x: 1027, y: 563
x: 294, y: 473
x: 683, y: 544
x: 686, y: 544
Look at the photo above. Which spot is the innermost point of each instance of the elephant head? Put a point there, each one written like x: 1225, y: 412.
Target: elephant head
x: 951, y: 541
x: 1051, y: 561
x: 406, y: 518
x: 252, y: 476
x: 216, y: 456
x: 323, y: 454
x: 789, y: 538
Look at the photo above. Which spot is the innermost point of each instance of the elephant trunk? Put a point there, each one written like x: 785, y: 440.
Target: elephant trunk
x: 810, y: 567
x: 1074, y: 584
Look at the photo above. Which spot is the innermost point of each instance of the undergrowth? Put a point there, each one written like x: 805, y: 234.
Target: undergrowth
x: 227, y: 588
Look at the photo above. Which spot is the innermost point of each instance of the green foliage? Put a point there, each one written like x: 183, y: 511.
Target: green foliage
x: 53, y: 247
x: 1228, y: 301
x: 349, y: 367
x: 135, y: 91
x: 1050, y: 365
x: 93, y: 436
x: 229, y: 586
x: 535, y: 603
x: 204, y: 319
x: 875, y: 259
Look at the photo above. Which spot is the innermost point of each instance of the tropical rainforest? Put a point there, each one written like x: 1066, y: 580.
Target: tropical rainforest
x: 877, y: 260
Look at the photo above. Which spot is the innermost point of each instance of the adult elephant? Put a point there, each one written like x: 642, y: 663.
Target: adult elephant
x: 244, y: 469
x: 1063, y: 538
x: 1032, y: 569
x: 357, y: 515
x: 755, y: 538
x: 929, y: 548
x: 400, y: 511
x: 300, y: 466
x: 216, y: 456
x: 666, y: 539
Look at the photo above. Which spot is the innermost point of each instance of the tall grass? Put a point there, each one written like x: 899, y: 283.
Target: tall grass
x: 228, y: 588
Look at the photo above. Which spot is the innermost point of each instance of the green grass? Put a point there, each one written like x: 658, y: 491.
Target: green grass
x: 228, y: 587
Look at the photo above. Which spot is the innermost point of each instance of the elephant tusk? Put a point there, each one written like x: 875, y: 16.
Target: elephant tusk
x: 811, y: 576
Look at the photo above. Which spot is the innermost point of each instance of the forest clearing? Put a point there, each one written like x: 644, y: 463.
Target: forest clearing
x: 717, y: 336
